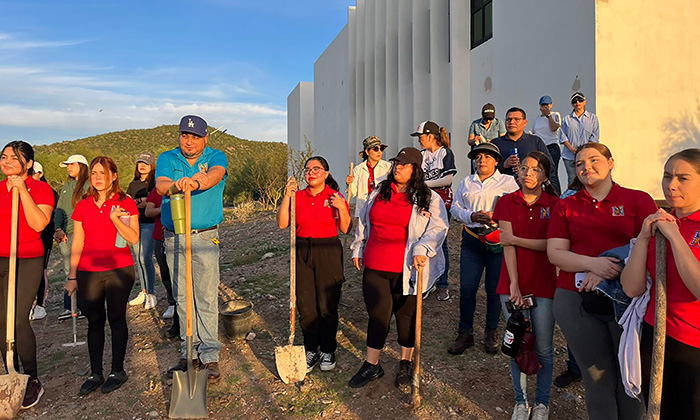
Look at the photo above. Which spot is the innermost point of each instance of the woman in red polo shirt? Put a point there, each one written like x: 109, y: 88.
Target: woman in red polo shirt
x: 102, y: 268
x: 401, y: 227
x: 599, y: 217
x: 523, y: 217
x: 320, y: 212
x: 36, y: 202
x: 681, y: 382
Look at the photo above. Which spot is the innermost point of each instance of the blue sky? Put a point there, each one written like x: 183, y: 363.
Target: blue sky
x: 75, y: 68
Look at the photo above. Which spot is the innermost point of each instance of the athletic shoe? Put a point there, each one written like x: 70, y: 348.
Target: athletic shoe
x: 39, y: 312
x: 139, y: 299
x: 312, y: 357
x: 327, y: 361
x: 367, y: 373
x: 150, y: 301
x: 428, y: 292
x: 520, y: 412
x: 33, y: 394
x: 91, y: 384
x: 114, y: 381
x: 443, y: 294
x: 169, y: 313
x: 65, y: 314
x: 566, y: 378
x: 404, y: 374
x: 540, y: 412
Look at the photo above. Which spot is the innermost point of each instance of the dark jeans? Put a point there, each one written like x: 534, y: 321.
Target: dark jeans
x: 44, y: 284
x: 571, y: 362
x: 442, y: 280
x: 319, y: 281
x: 164, y: 271
x: 383, y: 293
x: 473, y: 259
x: 555, y: 152
x: 95, y: 288
x: 29, y: 274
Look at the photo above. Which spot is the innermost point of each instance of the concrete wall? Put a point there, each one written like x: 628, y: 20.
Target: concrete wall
x: 300, y: 115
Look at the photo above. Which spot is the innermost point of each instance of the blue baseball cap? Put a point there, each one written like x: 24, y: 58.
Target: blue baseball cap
x: 546, y: 99
x: 194, y: 125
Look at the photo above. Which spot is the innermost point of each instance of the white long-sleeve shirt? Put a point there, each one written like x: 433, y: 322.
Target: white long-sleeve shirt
x: 358, y: 187
x: 473, y: 195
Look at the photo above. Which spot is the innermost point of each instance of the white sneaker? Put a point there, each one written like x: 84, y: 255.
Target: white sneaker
x: 31, y: 314
x: 139, y: 299
x: 150, y: 301
x: 540, y: 412
x: 39, y: 312
x: 520, y: 412
x: 169, y: 313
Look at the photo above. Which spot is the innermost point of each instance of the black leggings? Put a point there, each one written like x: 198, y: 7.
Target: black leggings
x: 94, y: 288
x: 680, y: 394
x: 319, y: 281
x: 44, y: 283
x: 29, y: 274
x: 383, y: 293
x: 164, y: 271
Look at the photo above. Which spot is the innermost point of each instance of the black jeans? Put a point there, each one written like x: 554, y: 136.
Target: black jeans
x: 555, y: 152
x: 319, y: 281
x: 96, y: 287
x: 164, y: 271
x: 383, y: 293
x: 30, y: 271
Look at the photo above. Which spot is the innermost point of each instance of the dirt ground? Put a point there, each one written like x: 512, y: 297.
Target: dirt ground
x: 473, y: 385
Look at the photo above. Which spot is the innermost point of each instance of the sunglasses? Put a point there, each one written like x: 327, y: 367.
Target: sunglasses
x: 375, y: 148
x: 573, y: 101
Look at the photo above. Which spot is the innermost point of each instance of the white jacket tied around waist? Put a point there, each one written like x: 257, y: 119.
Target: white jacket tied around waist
x: 426, y: 233
x: 358, y: 187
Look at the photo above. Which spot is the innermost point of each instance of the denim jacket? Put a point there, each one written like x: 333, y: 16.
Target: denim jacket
x: 612, y: 288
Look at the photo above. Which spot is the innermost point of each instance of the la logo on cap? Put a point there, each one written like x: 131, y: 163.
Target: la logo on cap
x: 190, y: 124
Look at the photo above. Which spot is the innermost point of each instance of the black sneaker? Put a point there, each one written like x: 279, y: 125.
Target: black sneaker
x: 367, y: 373
x: 404, y: 374
x: 327, y: 361
x: 33, y: 394
x: 566, y: 379
x: 114, y: 381
x: 65, y: 314
x: 91, y: 384
x: 173, y: 332
x: 312, y: 357
x: 181, y: 366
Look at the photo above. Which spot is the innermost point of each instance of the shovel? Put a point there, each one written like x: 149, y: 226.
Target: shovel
x: 74, y: 316
x: 189, y: 396
x: 13, y: 385
x: 415, y: 395
x: 657, y: 358
x: 291, y: 359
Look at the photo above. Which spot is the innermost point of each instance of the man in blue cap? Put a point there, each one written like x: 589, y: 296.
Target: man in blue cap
x: 194, y: 166
x: 546, y: 126
x: 578, y: 128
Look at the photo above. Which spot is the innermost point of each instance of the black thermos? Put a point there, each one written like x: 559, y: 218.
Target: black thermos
x: 514, y: 333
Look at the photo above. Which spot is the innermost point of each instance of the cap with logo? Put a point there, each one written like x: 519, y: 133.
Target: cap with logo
x: 546, y: 100
x: 577, y: 95
x: 369, y: 143
x: 194, y: 125
x: 74, y: 159
x: 146, y: 158
x: 426, y: 127
x: 489, y: 148
x: 488, y: 111
x: 38, y: 168
x: 408, y: 155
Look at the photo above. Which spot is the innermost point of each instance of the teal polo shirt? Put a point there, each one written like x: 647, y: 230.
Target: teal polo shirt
x: 207, y: 205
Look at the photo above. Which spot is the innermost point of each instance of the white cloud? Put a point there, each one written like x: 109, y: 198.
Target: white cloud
x: 9, y: 42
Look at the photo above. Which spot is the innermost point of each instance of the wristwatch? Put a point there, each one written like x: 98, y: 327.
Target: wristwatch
x: 549, y: 115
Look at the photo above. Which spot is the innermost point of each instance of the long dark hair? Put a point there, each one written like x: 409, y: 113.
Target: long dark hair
x: 417, y: 192
x: 576, y: 184
x: 24, y: 152
x: 150, y: 178
x: 546, y: 166
x: 110, y: 168
x: 442, y: 138
x: 329, y: 180
x: 82, y: 179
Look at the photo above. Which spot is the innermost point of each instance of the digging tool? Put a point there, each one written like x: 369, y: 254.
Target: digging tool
x: 74, y: 316
x: 347, y: 198
x: 657, y: 358
x: 13, y: 385
x: 291, y: 359
x: 415, y: 395
x: 189, y: 396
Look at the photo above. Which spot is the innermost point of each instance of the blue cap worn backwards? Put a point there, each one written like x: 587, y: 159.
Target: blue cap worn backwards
x: 194, y: 125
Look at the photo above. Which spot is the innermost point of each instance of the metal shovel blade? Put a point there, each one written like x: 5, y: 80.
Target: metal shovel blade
x: 291, y: 363
x: 189, y: 396
x: 12, y: 389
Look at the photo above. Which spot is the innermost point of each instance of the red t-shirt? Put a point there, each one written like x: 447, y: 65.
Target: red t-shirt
x: 157, y: 199
x: 29, y: 243
x: 536, y: 275
x: 388, y: 233
x: 683, y: 308
x: 594, y: 227
x: 315, y: 217
x: 99, y: 252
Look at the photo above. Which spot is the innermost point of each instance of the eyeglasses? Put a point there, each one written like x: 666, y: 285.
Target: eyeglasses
x: 526, y: 170
x: 315, y: 170
x: 375, y: 148
x: 573, y: 101
x: 514, y: 119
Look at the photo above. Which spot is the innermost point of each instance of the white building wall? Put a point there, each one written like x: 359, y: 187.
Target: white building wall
x: 392, y: 77
x: 300, y: 115
x: 369, y: 102
x: 440, y: 86
x: 352, y: 81
x: 460, y: 75
x: 407, y: 121
x: 421, y: 63
x: 380, y: 47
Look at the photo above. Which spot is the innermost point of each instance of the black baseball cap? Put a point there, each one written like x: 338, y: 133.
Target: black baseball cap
x: 408, y: 155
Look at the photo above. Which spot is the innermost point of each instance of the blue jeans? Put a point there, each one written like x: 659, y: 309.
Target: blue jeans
x: 542, y: 319
x: 442, y: 280
x: 570, y: 170
x: 205, y: 276
x: 555, y: 153
x: 473, y: 259
x: 144, y: 258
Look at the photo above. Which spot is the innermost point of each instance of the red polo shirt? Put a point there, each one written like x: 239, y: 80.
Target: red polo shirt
x: 315, y: 217
x: 388, y: 233
x: 536, y: 275
x: 683, y: 308
x: 594, y: 227
x: 99, y: 252
x: 29, y: 241
x: 157, y: 199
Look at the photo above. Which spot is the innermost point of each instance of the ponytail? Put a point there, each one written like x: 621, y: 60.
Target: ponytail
x: 443, y: 139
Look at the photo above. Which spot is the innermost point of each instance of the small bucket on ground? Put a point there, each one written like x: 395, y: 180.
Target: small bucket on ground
x: 237, y: 317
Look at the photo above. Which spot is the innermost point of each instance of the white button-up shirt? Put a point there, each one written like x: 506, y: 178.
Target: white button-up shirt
x: 473, y: 195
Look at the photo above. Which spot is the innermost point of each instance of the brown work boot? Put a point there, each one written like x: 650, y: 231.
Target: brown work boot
x: 464, y: 340
x: 181, y: 366
x: 213, y: 373
x: 491, y: 343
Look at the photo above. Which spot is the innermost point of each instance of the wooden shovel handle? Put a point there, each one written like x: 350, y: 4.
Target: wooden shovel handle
x: 189, y: 301
x: 415, y: 396
x: 293, y: 268
x: 11, y: 284
x: 657, y: 359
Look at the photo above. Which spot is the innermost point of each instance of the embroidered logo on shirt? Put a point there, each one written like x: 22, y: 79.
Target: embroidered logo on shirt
x: 696, y: 239
x: 544, y: 213
x: 618, y: 211
x: 203, y: 167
